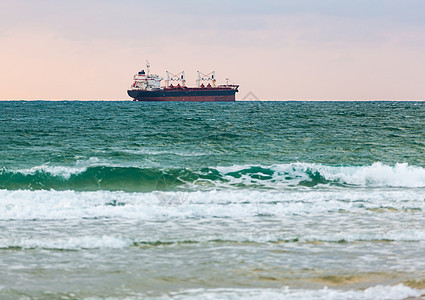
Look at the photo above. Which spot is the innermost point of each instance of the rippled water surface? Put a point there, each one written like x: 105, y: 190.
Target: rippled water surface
x: 244, y: 200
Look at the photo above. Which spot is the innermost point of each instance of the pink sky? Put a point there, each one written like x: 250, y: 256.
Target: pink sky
x: 337, y: 50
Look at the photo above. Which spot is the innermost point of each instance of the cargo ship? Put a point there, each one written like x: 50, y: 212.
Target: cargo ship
x: 147, y: 87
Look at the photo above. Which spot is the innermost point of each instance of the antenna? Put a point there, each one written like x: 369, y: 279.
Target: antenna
x: 147, y: 67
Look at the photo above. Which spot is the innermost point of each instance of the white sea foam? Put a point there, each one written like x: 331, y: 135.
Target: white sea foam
x: 62, y: 171
x: 375, y: 175
x: 399, y: 291
x: 56, y: 205
x: 121, y: 242
x: 394, y: 235
x: 160, y: 152
x: 303, y: 236
x: 71, y: 243
x: 284, y: 175
x: 378, y: 174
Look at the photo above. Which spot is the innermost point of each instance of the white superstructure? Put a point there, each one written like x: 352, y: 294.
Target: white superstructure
x: 145, y: 81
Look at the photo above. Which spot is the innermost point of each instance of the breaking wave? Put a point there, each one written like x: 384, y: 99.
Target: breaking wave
x: 58, y: 205
x: 280, y: 176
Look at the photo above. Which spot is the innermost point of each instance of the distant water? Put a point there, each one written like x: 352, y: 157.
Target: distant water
x: 244, y: 200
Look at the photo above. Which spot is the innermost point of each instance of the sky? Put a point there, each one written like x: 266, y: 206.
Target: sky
x: 276, y: 49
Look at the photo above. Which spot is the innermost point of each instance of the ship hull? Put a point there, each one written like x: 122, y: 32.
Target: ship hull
x: 185, y: 94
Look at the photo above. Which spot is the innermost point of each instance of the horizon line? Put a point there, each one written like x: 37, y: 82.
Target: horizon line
x: 268, y: 100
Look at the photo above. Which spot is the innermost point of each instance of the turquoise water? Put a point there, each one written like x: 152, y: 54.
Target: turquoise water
x: 293, y: 200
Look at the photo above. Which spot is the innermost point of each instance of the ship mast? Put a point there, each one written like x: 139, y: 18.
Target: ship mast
x: 175, y: 77
x: 206, y: 77
x: 147, y: 67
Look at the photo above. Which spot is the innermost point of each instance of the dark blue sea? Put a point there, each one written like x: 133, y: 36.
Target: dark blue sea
x: 242, y: 200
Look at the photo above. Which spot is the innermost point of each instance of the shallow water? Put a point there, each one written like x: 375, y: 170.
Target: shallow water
x: 248, y: 200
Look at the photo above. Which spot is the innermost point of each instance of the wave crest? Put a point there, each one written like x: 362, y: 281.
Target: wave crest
x: 280, y: 176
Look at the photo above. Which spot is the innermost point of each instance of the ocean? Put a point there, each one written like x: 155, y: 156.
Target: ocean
x: 243, y: 200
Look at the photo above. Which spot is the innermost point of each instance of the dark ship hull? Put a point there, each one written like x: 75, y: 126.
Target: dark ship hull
x: 201, y: 94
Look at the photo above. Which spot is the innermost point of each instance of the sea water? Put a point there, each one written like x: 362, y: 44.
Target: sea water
x: 243, y: 200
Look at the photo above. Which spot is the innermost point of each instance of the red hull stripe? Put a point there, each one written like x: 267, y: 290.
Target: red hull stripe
x: 227, y: 98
